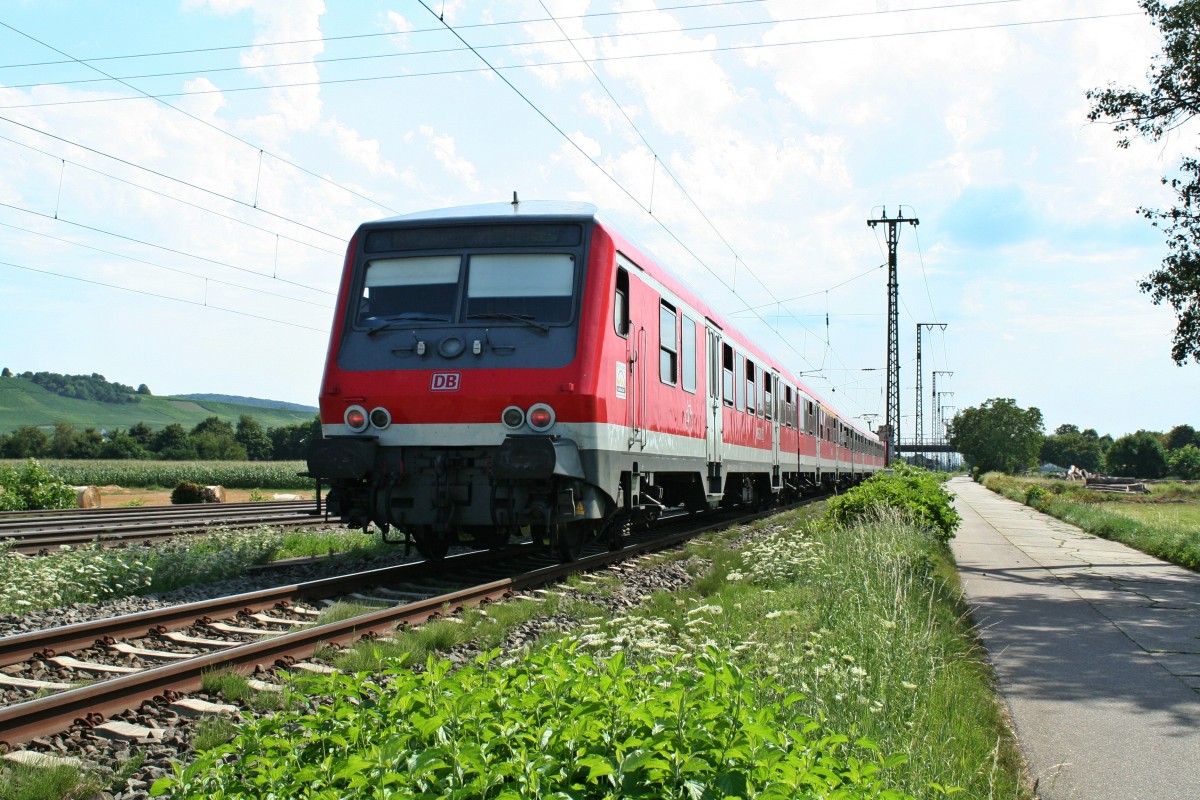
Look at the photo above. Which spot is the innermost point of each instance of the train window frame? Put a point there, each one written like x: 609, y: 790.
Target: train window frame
x: 751, y: 388
x: 739, y: 384
x: 727, y: 382
x: 621, y: 323
x: 687, y: 353
x: 668, y: 349
x: 760, y: 378
x: 768, y: 396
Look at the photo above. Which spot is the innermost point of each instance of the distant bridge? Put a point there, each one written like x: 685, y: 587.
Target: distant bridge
x: 912, y: 446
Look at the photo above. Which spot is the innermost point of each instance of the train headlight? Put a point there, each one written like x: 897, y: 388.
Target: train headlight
x: 541, y: 417
x: 513, y: 417
x: 381, y: 417
x: 356, y: 418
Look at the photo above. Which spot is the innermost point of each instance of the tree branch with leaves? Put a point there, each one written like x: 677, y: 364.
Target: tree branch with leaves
x: 1173, y: 99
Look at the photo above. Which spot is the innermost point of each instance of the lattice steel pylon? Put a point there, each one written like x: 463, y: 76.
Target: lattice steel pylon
x: 920, y: 419
x: 893, y: 344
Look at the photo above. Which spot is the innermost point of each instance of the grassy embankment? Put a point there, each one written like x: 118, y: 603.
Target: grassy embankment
x: 814, y: 660
x: 1164, y: 524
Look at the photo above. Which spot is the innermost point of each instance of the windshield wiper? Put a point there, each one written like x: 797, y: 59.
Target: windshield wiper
x: 524, y: 319
x: 402, y: 321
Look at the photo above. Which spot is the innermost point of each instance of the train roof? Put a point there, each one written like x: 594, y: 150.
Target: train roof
x: 526, y: 210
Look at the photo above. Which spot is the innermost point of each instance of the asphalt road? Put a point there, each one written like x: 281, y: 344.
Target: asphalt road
x: 1096, y: 647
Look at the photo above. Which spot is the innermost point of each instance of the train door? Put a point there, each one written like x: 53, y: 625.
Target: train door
x: 633, y: 372
x: 715, y: 415
x: 773, y: 408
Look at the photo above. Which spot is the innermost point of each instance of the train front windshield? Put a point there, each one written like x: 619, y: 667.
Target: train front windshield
x: 482, y: 295
x: 536, y: 287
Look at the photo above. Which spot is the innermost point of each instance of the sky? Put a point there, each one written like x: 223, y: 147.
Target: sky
x: 178, y: 181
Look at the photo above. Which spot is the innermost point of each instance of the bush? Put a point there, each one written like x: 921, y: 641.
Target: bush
x: 911, y: 490
x: 187, y: 492
x: 32, y: 487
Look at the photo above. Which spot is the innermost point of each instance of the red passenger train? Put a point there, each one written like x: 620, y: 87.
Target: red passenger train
x: 515, y: 366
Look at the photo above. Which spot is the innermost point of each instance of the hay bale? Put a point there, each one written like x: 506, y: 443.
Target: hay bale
x: 87, y: 497
x: 214, y: 494
x: 287, y: 497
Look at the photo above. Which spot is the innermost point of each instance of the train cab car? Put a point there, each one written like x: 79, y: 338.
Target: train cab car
x: 523, y: 367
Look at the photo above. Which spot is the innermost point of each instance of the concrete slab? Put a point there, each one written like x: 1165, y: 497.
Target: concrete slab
x: 1076, y: 628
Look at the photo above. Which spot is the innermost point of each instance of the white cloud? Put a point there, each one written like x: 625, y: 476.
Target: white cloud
x: 444, y: 150
x: 362, y: 151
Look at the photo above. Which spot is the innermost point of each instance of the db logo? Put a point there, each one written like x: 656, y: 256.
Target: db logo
x: 445, y: 382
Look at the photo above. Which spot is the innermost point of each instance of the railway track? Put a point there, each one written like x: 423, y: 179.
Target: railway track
x: 162, y: 655
x: 30, y: 532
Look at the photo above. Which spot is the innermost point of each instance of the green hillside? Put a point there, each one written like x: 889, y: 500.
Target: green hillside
x: 23, y: 402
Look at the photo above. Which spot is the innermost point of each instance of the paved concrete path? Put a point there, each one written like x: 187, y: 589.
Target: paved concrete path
x: 1096, y: 647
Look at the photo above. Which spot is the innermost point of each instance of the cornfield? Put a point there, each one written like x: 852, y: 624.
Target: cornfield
x: 168, y: 474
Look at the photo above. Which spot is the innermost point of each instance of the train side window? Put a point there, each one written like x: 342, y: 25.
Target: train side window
x: 761, y: 377
x: 751, y: 391
x: 727, y: 374
x: 687, y: 354
x: 768, y: 397
x: 668, y: 347
x: 740, y: 371
x: 621, y: 304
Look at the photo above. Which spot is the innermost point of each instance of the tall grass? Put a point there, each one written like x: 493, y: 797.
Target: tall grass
x: 853, y: 635
x: 1161, y: 524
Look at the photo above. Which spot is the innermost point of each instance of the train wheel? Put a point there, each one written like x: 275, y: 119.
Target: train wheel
x: 568, y: 540
x: 431, y: 545
x: 615, y: 532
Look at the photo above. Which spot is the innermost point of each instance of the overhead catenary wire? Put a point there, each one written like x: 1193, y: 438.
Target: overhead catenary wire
x: 493, y: 24
x: 257, y: 291
x: 165, y: 176
x: 163, y: 96
x: 319, y: 60
x: 164, y: 248
x: 176, y: 199
x: 204, y: 122
x: 163, y: 296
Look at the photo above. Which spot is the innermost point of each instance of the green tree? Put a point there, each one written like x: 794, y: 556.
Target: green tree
x: 251, y: 436
x: 1184, y: 462
x: 211, y: 446
x: 1180, y: 436
x: 998, y: 435
x: 27, y: 442
x: 1172, y: 99
x: 143, y: 434
x: 214, y: 425
x: 144, y: 389
x: 1064, y: 429
x: 291, y: 442
x: 172, y: 436
x: 1138, y: 455
x: 64, y: 442
x: 1067, y: 449
x: 121, y: 445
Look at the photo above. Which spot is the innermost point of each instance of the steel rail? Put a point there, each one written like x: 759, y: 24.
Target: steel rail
x: 21, y: 647
x: 31, y: 535
x: 89, y: 705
